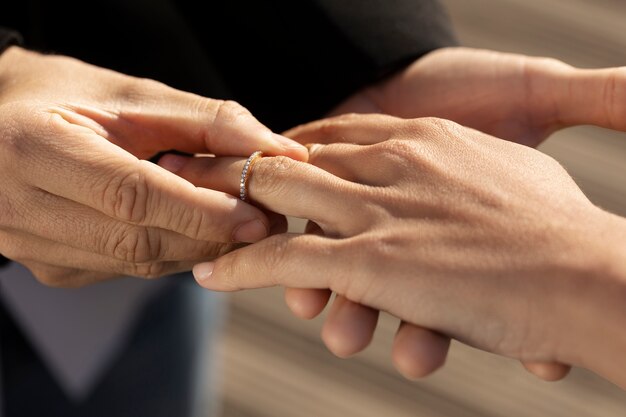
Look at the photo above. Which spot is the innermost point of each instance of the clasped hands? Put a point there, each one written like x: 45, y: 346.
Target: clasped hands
x: 454, y: 231
x: 457, y: 233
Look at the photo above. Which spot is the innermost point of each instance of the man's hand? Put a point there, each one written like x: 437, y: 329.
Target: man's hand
x: 78, y: 201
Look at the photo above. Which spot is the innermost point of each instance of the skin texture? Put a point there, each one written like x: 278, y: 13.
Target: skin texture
x: 520, y: 98
x: 79, y: 203
x: 502, y: 263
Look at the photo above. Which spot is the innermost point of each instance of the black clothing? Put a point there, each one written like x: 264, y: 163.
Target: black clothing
x: 287, y: 61
x: 155, y: 376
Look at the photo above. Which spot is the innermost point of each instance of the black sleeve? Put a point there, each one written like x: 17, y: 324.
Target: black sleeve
x: 291, y: 61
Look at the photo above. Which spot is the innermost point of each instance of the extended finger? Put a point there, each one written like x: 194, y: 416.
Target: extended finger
x: 81, y: 166
x: 291, y: 260
x: 64, y: 221
x: 306, y: 303
x: 418, y: 352
x: 591, y: 97
x: 281, y: 185
x: 26, y: 249
x: 349, y: 327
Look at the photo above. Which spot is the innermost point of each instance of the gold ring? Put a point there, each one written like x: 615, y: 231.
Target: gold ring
x: 245, y: 174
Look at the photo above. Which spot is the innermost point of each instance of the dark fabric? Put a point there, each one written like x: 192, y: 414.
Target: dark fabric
x: 154, y: 377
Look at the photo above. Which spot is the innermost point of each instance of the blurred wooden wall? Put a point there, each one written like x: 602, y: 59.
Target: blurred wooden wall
x: 275, y: 365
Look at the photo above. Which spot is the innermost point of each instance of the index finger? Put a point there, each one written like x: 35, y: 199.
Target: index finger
x: 82, y: 166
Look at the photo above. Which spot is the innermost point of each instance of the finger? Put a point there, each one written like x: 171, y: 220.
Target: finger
x: 290, y: 260
x: 418, y: 352
x: 281, y: 185
x: 594, y: 97
x: 60, y: 220
x: 63, y: 277
x: 162, y: 118
x: 349, y: 327
x: 93, y: 172
x: 27, y: 249
x: 306, y: 303
x: 548, y: 371
x: 352, y: 128
x: 356, y: 163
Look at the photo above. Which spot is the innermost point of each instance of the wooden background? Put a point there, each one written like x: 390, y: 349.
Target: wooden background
x: 275, y: 365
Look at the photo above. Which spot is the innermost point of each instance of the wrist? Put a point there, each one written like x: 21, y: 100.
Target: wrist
x: 596, y: 312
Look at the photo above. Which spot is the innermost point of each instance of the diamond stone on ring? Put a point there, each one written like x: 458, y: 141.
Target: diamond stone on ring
x: 245, y: 175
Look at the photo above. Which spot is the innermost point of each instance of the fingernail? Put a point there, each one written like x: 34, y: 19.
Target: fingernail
x: 172, y: 162
x: 203, y: 271
x: 286, y: 142
x: 250, y: 232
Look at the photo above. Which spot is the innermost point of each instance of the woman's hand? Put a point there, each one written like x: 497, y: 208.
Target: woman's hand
x: 520, y: 98
x: 78, y: 201
x: 447, y: 228
x: 516, y: 97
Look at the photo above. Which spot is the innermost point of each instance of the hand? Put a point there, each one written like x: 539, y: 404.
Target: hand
x: 78, y: 203
x: 445, y: 228
x: 520, y: 98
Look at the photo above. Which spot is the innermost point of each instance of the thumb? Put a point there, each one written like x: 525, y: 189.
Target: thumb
x: 163, y: 118
x: 293, y: 260
x: 595, y: 97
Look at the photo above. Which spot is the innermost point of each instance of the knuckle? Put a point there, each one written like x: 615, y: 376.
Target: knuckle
x: 229, y: 111
x: 136, y: 244
x: 360, y: 254
x: 332, y: 127
x: 434, y: 127
x: 400, y: 152
x: 126, y: 197
x: 237, y: 264
x: 195, y: 223
x: 272, y: 171
x: 226, y: 114
x: 137, y: 91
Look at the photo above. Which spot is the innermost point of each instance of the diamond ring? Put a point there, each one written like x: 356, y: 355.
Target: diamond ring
x: 245, y: 174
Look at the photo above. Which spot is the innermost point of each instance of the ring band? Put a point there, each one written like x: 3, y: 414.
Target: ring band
x: 245, y: 174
